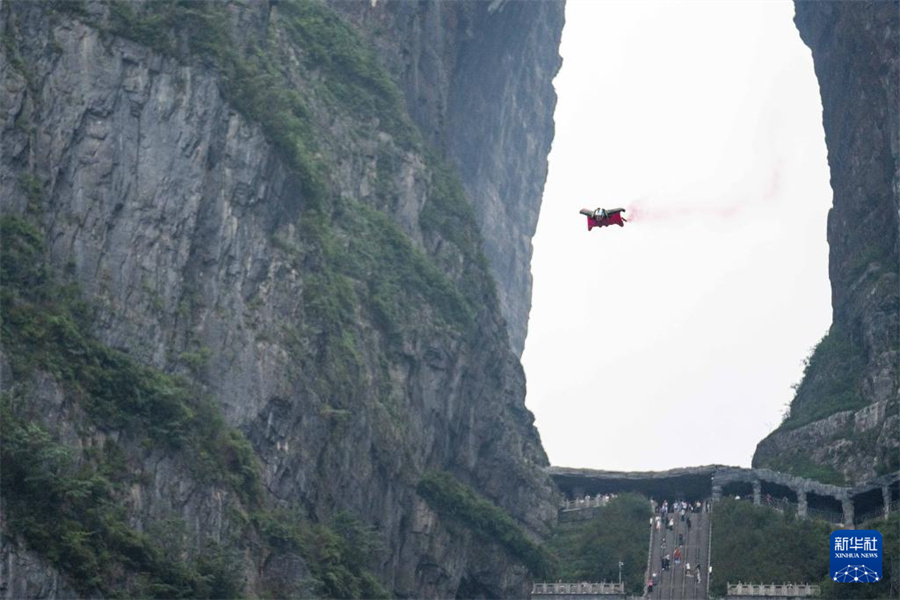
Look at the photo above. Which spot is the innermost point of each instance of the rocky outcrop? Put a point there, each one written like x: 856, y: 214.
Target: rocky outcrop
x: 477, y: 78
x: 24, y: 574
x: 318, y: 275
x: 845, y: 415
x: 852, y: 446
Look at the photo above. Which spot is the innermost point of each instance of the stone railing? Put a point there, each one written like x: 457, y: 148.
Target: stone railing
x: 871, y: 514
x: 579, y: 589
x: 776, y: 503
x: 782, y: 504
x: 586, y: 502
x: 826, y: 515
x: 786, y: 590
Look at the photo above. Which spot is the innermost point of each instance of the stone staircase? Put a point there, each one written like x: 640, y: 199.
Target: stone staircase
x: 674, y: 583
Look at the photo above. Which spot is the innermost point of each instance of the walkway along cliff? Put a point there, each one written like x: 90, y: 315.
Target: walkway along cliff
x: 677, y: 541
x: 844, y: 422
x: 262, y: 311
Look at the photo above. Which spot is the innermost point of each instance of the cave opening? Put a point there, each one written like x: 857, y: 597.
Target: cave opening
x: 655, y: 343
x: 824, y: 507
x: 775, y: 493
x: 739, y: 490
x: 868, y: 505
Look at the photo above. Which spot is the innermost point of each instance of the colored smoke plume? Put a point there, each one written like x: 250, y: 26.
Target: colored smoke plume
x: 648, y: 209
x: 643, y: 211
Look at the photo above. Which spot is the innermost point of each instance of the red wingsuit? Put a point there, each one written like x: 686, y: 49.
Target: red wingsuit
x: 611, y: 219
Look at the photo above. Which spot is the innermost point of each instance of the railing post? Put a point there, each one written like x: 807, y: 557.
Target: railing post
x: 801, y: 504
x: 847, y: 505
x: 886, y: 497
x: 757, y: 492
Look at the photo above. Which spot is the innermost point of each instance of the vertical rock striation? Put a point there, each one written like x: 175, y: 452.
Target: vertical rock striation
x: 240, y: 196
x: 844, y: 420
x: 477, y: 78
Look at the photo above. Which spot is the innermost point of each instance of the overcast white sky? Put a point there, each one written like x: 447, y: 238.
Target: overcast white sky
x: 674, y: 341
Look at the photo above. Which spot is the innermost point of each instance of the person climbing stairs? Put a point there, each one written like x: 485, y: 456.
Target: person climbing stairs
x: 688, y: 541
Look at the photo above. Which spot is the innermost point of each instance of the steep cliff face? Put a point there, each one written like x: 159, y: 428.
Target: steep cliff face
x: 844, y: 420
x: 239, y: 198
x: 477, y: 78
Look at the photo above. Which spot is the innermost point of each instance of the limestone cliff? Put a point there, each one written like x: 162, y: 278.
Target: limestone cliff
x: 475, y: 77
x: 226, y: 209
x: 844, y: 422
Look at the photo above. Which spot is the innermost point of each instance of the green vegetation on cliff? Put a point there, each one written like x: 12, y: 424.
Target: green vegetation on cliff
x: 359, y: 266
x: 454, y: 500
x: 755, y: 544
x: 591, y: 550
x: 831, y: 379
x: 350, y: 73
x: 251, y: 79
x: 802, y: 466
x: 69, y: 508
x: 72, y: 514
x: 338, y: 555
x: 344, y: 74
x: 356, y: 262
x: 46, y: 328
x: 67, y: 502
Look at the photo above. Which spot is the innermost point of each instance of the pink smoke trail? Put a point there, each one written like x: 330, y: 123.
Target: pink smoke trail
x: 648, y: 210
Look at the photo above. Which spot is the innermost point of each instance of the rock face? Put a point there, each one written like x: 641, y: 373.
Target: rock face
x: 845, y: 415
x: 329, y: 290
x: 26, y: 575
x: 477, y: 78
